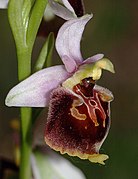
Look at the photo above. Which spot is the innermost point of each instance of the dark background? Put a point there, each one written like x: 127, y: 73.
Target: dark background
x: 114, y: 32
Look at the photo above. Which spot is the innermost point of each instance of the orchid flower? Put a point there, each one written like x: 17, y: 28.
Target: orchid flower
x: 79, y: 110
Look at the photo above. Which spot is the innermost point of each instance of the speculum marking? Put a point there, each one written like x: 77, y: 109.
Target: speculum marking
x: 92, y: 103
x: 75, y: 112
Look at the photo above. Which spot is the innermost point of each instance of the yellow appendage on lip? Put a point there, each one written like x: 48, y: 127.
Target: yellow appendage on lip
x: 98, y: 158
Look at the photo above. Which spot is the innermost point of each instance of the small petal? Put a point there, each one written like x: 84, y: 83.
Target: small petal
x: 3, y: 4
x: 93, y: 59
x: 69, y: 37
x: 35, y: 90
x: 61, y: 11
x: 69, y: 63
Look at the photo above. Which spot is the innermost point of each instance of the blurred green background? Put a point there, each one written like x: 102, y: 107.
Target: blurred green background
x: 114, y: 32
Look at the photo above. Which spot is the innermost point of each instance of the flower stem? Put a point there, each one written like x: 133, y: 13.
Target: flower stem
x: 25, y: 18
x: 24, y: 70
x: 26, y: 144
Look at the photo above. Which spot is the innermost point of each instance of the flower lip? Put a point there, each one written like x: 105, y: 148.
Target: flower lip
x: 75, y: 132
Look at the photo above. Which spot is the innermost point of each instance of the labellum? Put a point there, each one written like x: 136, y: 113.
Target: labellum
x: 79, y: 120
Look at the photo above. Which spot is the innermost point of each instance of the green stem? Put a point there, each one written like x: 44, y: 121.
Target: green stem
x: 24, y: 70
x: 24, y: 62
x: 26, y: 144
x: 25, y: 17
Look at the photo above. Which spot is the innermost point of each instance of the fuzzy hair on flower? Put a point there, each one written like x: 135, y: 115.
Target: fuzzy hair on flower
x: 79, y: 110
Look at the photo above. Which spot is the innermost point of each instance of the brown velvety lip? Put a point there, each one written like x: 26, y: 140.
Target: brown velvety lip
x: 67, y: 134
